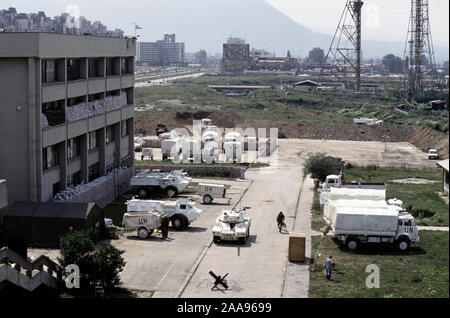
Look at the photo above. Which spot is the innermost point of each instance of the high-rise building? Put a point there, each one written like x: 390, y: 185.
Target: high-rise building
x: 66, y: 115
x: 236, y: 57
x: 166, y: 52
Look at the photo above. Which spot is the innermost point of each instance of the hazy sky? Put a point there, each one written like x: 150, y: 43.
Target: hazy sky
x: 383, y: 19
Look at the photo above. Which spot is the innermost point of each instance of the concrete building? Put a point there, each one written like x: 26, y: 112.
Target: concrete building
x: 444, y: 165
x: 166, y: 52
x: 236, y: 57
x: 67, y: 108
x: 3, y: 195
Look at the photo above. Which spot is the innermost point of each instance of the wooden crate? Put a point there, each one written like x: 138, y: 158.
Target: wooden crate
x: 297, y: 247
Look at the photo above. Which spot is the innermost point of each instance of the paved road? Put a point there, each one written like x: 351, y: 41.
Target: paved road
x: 256, y: 269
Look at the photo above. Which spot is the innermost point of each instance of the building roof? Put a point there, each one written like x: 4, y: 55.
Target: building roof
x: 307, y: 83
x: 443, y: 164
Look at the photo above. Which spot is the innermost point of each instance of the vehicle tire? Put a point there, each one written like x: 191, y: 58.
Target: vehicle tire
x: 242, y: 240
x: 185, y: 221
x: 248, y: 233
x: 171, y: 192
x: 179, y: 222
x: 207, y: 199
x: 352, y: 244
x: 403, y: 244
x: 142, y: 193
x: 216, y: 239
x: 143, y: 233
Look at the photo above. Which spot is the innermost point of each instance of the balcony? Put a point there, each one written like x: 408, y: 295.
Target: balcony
x: 96, y: 107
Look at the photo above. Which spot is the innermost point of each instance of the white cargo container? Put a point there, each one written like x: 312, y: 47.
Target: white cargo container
x: 170, y: 149
x: 357, y: 221
x: 191, y: 150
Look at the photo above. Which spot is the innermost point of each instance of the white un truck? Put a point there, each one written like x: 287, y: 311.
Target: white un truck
x: 181, y: 212
x: 359, y: 216
x: 171, y: 182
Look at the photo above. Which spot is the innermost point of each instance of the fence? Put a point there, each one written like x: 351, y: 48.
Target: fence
x: 207, y: 171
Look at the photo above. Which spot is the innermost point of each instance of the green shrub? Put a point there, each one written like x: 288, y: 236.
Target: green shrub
x: 320, y: 166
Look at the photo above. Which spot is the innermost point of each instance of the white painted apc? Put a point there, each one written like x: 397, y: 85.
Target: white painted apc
x: 181, y: 212
x: 171, y: 182
x: 209, y: 192
x: 232, y: 225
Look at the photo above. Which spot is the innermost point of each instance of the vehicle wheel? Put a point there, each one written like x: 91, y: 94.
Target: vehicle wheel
x: 179, y: 222
x: 171, y: 192
x: 216, y: 239
x: 143, y: 233
x: 142, y: 158
x: 185, y: 221
x: 248, y: 233
x: 142, y: 193
x: 403, y: 244
x: 352, y: 244
x: 207, y: 199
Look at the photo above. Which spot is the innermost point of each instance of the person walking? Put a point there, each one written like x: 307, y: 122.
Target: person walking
x: 328, y: 266
x: 280, y: 221
x: 164, y: 226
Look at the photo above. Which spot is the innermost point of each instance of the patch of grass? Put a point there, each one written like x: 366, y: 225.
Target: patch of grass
x: 317, y: 221
x: 423, y: 201
x: 420, y: 273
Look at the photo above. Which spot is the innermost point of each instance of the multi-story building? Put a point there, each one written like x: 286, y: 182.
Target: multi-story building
x: 66, y: 111
x: 166, y: 52
x: 236, y: 57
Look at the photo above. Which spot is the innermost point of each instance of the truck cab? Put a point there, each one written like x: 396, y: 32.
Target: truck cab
x: 332, y: 181
x: 407, y: 232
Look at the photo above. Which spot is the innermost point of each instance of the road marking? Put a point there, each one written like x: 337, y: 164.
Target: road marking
x: 164, y: 277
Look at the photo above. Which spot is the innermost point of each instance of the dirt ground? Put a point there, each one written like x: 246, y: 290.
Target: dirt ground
x: 423, y: 138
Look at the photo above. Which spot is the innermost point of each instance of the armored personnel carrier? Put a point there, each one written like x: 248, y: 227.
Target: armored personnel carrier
x: 232, y: 225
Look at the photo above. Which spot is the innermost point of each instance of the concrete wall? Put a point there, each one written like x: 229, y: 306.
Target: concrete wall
x: 3, y: 194
x: 14, y: 128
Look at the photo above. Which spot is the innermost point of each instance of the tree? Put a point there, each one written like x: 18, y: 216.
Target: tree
x: 316, y: 55
x: 393, y: 64
x: 320, y: 166
x: 100, y: 266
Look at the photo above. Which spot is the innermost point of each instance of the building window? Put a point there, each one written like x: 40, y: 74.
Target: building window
x: 76, y: 69
x: 124, y: 128
x: 93, y: 140
x: 54, y: 112
x: 74, y: 180
x: 52, y: 71
x: 73, y: 148
x: 110, y: 136
x: 96, y: 67
x: 94, y: 171
x: 50, y: 157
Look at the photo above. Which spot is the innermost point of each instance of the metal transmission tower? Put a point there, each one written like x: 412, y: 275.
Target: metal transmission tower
x: 345, y: 49
x: 421, y: 51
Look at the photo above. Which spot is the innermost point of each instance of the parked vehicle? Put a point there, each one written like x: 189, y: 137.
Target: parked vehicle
x: 138, y: 143
x: 233, y: 147
x: 171, y: 182
x: 161, y: 129
x: 433, y: 154
x: 209, y: 192
x: 232, y: 225
x: 144, y: 223
x: 181, y: 212
x: 371, y: 220
x: 147, y: 152
x: 191, y: 150
x: 170, y: 149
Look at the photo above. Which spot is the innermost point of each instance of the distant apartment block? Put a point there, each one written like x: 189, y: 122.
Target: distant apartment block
x: 11, y: 21
x: 166, y: 52
x: 236, y: 57
x: 66, y: 111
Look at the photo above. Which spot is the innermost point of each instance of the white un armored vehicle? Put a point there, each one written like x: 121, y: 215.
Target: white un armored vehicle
x: 181, y: 212
x: 171, y: 182
x: 232, y: 226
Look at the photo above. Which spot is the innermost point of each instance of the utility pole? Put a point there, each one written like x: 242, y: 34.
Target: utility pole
x: 345, y: 49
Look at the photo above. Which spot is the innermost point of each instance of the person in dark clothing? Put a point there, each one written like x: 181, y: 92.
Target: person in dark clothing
x: 164, y: 226
x: 280, y: 221
x: 328, y: 267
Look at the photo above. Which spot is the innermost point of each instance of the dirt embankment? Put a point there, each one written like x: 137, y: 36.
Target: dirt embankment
x: 422, y: 137
x: 426, y: 138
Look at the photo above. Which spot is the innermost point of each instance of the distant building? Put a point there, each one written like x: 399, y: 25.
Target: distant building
x: 257, y: 54
x: 282, y: 64
x: 236, y: 57
x: 201, y: 58
x: 11, y: 21
x: 166, y: 52
x: 444, y: 165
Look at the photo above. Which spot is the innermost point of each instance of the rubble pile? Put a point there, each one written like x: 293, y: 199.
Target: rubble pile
x: 426, y: 138
x: 72, y: 193
x: 97, y: 107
